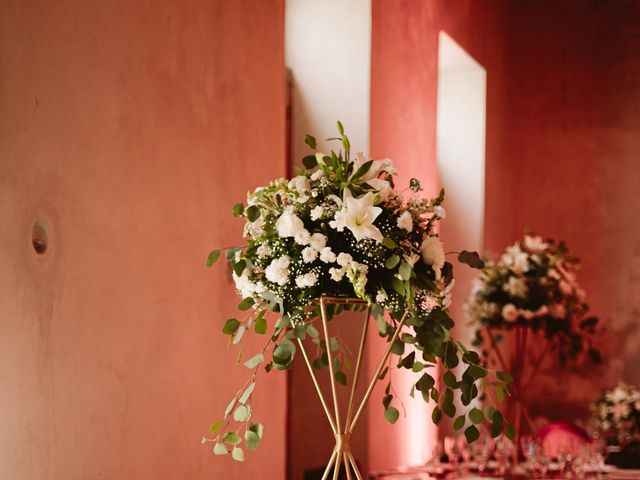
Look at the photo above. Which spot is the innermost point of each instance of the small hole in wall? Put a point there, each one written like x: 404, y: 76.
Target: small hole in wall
x: 39, y: 238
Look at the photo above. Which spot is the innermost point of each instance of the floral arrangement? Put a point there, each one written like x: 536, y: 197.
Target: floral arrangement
x: 534, y: 284
x: 340, y: 228
x: 617, y: 414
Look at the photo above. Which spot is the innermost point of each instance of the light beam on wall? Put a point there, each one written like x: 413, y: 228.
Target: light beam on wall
x: 460, y: 149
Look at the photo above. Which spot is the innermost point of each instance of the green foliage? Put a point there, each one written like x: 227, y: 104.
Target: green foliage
x: 471, y: 258
x: 213, y: 257
x: 391, y: 414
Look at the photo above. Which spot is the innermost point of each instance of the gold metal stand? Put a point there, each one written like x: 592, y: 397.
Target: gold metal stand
x: 341, y: 455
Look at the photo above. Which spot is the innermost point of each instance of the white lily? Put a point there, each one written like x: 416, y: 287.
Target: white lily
x: 359, y: 216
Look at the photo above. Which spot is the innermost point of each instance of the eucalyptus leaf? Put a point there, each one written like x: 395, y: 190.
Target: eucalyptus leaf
x: 242, y: 413
x: 471, y: 258
x: 391, y: 414
x: 254, y: 361
x: 253, y: 213
x: 220, y: 449
x: 247, y: 393
x: 230, y: 326
x: 260, y: 326
x: 213, y: 257
x: 238, y: 454
x: 476, y: 416
x: 459, y: 423
x: 252, y: 439
x: 472, y: 434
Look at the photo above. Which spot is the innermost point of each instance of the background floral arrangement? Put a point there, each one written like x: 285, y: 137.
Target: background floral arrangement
x: 339, y: 228
x: 617, y: 414
x: 534, y: 284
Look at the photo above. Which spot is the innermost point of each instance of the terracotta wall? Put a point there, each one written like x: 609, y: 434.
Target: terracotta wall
x: 574, y: 143
x: 561, y: 155
x: 129, y: 129
x: 403, y: 126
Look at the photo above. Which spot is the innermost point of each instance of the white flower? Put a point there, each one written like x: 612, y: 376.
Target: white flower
x: 360, y: 160
x: 289, y: 224
x: 316, y: 212
x: 336, y: 274
x: 515, y: 287
x: 318, y: 241
x: 344, y: 259
x: 447, y: 294
x: 433, y: 254
x: 302, y: 237
x: 302, y: 199
x: 516, y: 259
x: 510, y: 312
x: 263, y: 250
x: 360, y: 215
x: 327, y: 255
x: 254, y: 229
x: 278, y: 270
x: 309, y: 254
x: 381, y: 296
x: 245, y: 286
x: 317, y: 174
x: 300, y: 184
x: 383, y: 188
x: 440, y: 211
x: 405, y: 221
x: 306, y: 280
x: 339, y: 221
x: 411, y: 258
x: 534, y: 244
x: 558, y: 310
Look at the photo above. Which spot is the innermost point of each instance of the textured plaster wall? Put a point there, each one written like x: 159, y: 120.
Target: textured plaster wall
x: 574, y: 143
x: 563, y: 89
x: 130, y: 128
x: 403, y: 126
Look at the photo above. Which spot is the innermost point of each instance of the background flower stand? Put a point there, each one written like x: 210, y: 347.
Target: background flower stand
x: 341, y: 457
x: 518, y: 409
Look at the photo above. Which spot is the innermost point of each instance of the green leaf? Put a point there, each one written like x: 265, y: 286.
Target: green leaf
x: 220, y: 449
x: 405, y: 271
x: 246, y: 304
x: 436, y: 415
x: 510, y: 432
x: 284, y: 352
x: 213, y: 257
x: 425, y: 383
x: 389, y: 243
x: 364, y: 168
x: 238, y: 454
x: 230, y: 326
x: 247, y: 393
x: 472, y: 434
x: 261, y: 325
x: 397, y: 348
x: 477, y: 372
x: 392, y: 262
x: 504, y: 376
x: 450, y: 379
x: 310, y: 162
x: 340, y: 127
x: 500, y: 392
x: 252, y: 439
x: 310, y: 140
x: 488, y: 412
x: 253, y: 213
x: 231, y: 438
x: 340, y: 377
x: 215, y: 427
x: 239, y: 266
x: 238, y: 209
x: 230, y: 406
x: 449, y: 408
x: 417, y: 367
x: 238, y: 336
x: 391, y: 414
x: 257, y: 428
x: 242, y: 413
x: 335, y: 344
x: 476, y: 416
x: 459, y: 423
x: 254, y: 361
x: 471, y: 258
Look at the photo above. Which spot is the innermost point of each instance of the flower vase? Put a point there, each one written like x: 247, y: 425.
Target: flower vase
x: 341, y: 456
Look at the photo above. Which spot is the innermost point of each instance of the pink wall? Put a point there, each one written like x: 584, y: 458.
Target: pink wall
x: 575, y: 147
x: 561, y: 155
x: 130, y: 129
x: 403, y: 126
